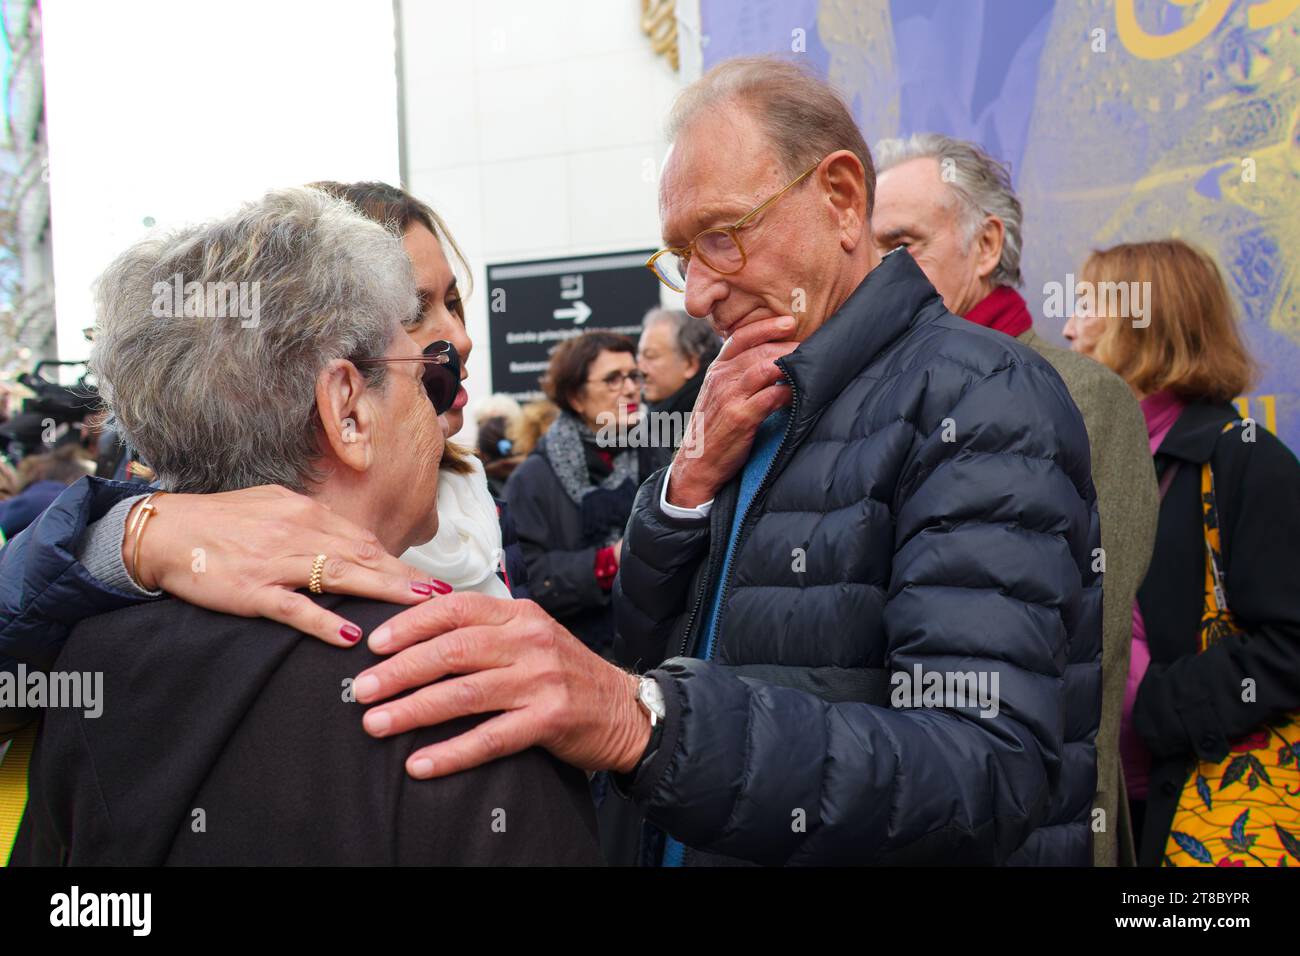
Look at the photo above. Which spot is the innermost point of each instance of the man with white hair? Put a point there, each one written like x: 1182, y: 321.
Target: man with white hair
x: 952, y: 206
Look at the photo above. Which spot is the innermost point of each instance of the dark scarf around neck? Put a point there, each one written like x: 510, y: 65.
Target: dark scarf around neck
x: 603, y: 491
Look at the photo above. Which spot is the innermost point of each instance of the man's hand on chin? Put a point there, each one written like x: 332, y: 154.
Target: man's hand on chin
x: 741, y: 388
x: 506, y: 657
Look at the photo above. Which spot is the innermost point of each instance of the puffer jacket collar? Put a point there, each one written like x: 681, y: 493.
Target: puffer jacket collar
x: 883, y: 306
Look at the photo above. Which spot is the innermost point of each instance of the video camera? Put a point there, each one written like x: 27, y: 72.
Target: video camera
x: 28, y: 430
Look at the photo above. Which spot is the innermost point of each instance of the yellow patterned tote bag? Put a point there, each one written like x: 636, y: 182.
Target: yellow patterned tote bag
x: 1243, y: 810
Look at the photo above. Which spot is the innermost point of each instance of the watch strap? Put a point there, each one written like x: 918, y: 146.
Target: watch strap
x: 623, y: 781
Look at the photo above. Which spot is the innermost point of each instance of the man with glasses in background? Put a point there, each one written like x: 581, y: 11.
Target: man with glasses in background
x: 674, y: 353
x: 869, y: 573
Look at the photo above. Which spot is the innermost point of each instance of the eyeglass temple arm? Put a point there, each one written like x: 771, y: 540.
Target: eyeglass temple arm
x: 680, y: 250
x: 794, y: 182
x: 440, y: 359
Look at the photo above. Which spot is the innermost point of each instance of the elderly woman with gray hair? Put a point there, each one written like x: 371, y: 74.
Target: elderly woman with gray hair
x: 224, y: 740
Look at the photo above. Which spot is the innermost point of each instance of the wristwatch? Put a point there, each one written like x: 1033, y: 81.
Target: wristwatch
x: 651, y: 698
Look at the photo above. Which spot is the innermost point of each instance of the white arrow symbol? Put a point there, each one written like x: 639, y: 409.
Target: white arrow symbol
x: 579, y: 313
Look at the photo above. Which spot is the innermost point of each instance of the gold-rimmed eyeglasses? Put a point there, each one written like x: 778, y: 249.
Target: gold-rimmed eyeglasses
x: 718, y: 248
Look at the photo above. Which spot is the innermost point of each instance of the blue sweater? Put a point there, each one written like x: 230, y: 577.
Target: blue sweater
x: 767, y: 441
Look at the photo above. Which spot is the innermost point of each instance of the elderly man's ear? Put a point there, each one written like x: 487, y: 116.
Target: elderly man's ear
x: 842, y: 181
x: 988, y: 246
x: 347, y: 414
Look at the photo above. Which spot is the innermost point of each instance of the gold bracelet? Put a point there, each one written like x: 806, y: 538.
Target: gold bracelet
x: 136, y: 529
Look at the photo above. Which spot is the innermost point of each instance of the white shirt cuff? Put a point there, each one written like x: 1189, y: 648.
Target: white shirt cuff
x: 674, y: 511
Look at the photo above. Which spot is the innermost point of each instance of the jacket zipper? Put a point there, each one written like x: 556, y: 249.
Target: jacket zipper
x: 712, y: 566
x: 740, y: 539
x: 745, y: 522
x: 690, y: 621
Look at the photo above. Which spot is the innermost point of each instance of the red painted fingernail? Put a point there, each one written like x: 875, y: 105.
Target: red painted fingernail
x: 350, y: 633
x: 442, y: 587
x: 422, y: 587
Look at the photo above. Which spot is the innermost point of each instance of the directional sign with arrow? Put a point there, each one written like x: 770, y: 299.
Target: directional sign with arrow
x: 579, y: 312
x: 534, y: 306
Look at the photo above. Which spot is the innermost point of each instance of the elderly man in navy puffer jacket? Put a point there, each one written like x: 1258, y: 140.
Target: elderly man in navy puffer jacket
x: 872, y: 577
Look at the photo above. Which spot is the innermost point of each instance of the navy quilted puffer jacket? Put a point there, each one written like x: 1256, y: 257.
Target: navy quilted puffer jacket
x: 930, y: 506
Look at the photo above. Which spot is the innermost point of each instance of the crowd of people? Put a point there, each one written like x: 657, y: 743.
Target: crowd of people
x: 914, y: 586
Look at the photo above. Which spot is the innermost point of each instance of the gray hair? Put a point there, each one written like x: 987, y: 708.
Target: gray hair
x: 216, y: 403
x: 981, y: 184
x: 803, y: 118
x: 693, y: 338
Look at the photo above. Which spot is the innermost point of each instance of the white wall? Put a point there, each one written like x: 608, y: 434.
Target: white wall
x: 536, y: 130
x: 177, y: 112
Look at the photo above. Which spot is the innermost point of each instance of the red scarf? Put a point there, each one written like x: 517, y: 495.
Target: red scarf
x: 1002, y: 310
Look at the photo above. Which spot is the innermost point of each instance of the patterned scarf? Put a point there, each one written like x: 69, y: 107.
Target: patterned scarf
x: 605, y: 506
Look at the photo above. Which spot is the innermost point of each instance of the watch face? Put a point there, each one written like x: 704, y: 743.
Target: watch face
x: 652, y: 695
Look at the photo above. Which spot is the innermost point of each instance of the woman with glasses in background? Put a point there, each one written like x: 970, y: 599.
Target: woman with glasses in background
x: 571, y: 498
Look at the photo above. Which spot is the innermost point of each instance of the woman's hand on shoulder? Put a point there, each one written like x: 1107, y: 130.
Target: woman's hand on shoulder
x: 247, y: 552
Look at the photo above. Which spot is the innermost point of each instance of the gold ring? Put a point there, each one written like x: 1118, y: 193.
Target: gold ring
x: 317, y: 567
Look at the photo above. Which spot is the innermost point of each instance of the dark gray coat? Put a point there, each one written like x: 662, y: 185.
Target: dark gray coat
x: 560, y: 557
x: 253, y: 724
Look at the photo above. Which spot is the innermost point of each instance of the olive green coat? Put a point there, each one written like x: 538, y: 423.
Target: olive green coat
x: 1129, y: 503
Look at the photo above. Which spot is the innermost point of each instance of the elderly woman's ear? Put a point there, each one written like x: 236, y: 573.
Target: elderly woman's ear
x: 347, y: 413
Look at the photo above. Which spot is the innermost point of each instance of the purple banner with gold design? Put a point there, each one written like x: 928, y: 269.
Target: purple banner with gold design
x: 1123, y: 120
